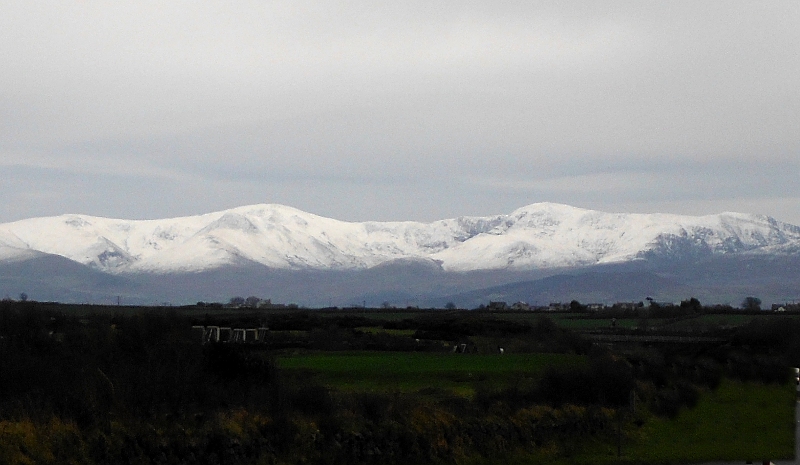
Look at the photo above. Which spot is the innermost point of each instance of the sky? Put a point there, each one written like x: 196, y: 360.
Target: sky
x: 413, y: 110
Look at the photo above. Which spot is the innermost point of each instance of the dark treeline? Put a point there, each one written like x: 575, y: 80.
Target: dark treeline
x: 140, y: 388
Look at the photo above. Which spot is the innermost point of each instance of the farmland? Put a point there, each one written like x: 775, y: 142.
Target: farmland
x: 411, y: 372
x: 408, y: 386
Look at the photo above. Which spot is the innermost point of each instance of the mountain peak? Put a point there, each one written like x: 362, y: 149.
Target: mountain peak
x: 536, y: 236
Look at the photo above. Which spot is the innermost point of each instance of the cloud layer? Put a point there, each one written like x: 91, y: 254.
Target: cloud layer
x: 419, y: 110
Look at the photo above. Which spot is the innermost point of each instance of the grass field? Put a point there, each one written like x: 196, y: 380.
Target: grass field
x: 409, y: 372
x: 737, y: 422
x: 602, y: 323
x: 391, y: 332
x: 723, y: 320
x: 373, y: 314
x: 578, y: 321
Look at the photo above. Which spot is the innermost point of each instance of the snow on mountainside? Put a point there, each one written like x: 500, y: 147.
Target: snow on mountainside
x: 536, y: 236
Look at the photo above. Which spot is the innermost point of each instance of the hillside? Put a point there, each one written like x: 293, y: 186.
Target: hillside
x: 282, y: 253
x: 534, y: 237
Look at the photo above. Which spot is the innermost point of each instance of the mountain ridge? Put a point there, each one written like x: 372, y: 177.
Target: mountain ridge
x: 536, y: 236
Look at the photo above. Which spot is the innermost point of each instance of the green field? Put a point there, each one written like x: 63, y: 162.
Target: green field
x: 603, y: 323
x: 409, y: 372
x: 391, y: 332
x: 374, y: 314
x: 577, y: 321
x: 737, y: 422
x: 721, y: 320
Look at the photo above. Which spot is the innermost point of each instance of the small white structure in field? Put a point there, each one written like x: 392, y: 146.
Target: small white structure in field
x: 211, y: 334
x: 238, y: 336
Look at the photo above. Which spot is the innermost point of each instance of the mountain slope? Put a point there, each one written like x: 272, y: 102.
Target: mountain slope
x: 537, y: 236
x: 721, y: 279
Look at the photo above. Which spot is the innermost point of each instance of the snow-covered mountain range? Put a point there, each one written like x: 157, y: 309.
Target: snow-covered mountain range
x: 537, y: 236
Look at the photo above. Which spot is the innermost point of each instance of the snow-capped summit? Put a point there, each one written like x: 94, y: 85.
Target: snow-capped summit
x: 536, y: 236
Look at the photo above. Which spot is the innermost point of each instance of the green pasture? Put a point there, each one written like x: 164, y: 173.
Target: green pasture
x: 580, y: 321
x: 574, y: 321
x: 530, y: 316
x: 723, y: 320
x: 296, y: 333
x: 603, y: 323
x: 377, y: 315
x: 391, y: 332
x: 737, y: 422
x: 411, y: 372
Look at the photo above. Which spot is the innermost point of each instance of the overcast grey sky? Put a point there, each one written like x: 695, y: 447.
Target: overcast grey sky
x: 415, y: 110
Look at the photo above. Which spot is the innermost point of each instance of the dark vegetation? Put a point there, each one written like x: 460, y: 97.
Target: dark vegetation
x: 139, y: 387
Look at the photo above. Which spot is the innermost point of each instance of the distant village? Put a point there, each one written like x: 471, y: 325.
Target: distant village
x: 748, y: 304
